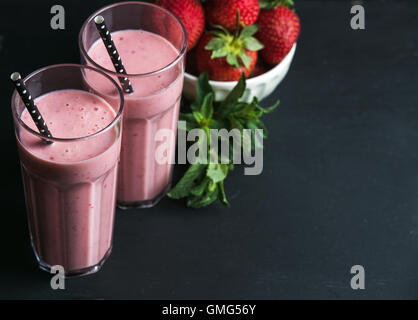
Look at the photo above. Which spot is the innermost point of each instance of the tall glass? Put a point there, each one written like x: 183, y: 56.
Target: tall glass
x: 70, y: 185
x: 143, y: 34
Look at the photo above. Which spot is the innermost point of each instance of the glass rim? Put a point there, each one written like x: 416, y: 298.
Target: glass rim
x: 55, y: 139
x: 112, y: 72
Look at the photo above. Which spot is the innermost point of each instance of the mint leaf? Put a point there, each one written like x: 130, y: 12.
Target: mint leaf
x: 200, y: 188
x: 202, y: 89
x: 221, y: 194
x: 217, y: 124
x: 217, y: 172
x: 198, y: 117
x: 203, y: 184
x: 207, y: 107
x: 208, y: 197
x: 266, y: 110
x: 257, y: 124
x: 205, y: 200
x: 235, y: 123
x: 233, y: 96
x: 190, y: 120
x: 182, y: 188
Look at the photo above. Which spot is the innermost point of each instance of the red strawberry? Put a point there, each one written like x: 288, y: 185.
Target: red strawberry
x: 259, y: 69
x: 218, y: 68
x: 191, y: 61
x: 223, y: 12
x: 225, y: 56
x: 191, y: 14
x: 279, y: 30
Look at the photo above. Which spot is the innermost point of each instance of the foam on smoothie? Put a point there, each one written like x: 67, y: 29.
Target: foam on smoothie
x: 70, y: 114
x: 141, y: 52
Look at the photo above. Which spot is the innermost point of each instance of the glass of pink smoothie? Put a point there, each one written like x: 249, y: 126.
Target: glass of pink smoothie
x: 70, y: 185
x: 151, y: 42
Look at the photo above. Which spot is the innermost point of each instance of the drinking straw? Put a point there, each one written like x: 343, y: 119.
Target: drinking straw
x: 30, y: 105
x: 113, y: 53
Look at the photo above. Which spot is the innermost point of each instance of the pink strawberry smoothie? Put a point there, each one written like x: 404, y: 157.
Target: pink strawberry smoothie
x: 154, y: 105
x: 70, y: 186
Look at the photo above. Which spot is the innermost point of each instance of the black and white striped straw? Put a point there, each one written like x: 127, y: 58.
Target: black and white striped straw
x: 113, y: 53
x: 30, y: 105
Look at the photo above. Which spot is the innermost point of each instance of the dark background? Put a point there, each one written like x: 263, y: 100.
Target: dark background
x: 339, y: 186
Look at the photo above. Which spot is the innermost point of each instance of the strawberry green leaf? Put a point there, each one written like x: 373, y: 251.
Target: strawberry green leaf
x: 218, y: 33
x: 237, y: 24
x: 249, y: 31
x: 222, y: 28
x: 221, y: 52
x: 271, y: 4
x: 232, y: 60
x: 232, y: 46
x: 215, y: 44
x: 246, y: 60
x: 252, y: 44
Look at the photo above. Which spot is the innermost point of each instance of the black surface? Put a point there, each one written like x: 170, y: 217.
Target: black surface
x: 339, y: 187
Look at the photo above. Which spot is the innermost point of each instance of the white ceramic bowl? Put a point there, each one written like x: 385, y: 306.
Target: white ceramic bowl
x: 260, y: 86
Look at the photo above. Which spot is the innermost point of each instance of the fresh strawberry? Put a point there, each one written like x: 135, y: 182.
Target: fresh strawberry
x: 222, y: 12
x: 191, y: 62
x: 218, y: 68
x: 279, y: 29
x: 225, y: 56
x: 258, y: 70
x: 191, y: 14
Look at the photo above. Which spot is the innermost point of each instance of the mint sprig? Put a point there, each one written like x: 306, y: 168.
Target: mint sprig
x: 203, y: 183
